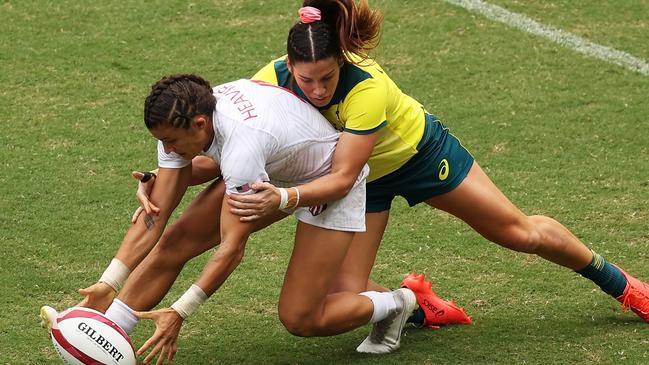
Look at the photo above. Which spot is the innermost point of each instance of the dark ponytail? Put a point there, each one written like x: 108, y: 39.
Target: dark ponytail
x: 176, y: 99
x: 345, y: 28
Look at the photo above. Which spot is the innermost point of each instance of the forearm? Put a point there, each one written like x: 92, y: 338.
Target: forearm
x: 140, y: 239
x: 325, y: 189
x: 213, y: 276
x: 222, y: 263
x: 142, y: 236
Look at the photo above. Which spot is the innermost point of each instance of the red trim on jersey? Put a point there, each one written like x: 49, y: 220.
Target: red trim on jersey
x: 264, y: 83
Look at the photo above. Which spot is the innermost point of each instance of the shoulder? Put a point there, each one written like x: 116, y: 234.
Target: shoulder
x: 275, y: 72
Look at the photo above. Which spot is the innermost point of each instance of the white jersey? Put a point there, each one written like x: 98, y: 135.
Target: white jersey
x: 263, y: 132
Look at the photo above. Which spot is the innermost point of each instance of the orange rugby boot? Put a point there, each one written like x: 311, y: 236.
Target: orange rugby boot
x: 437, y: 311
x: 635, y: 296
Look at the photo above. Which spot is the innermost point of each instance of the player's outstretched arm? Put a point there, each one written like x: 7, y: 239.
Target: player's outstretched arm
x: 139, y: 239
x: 168, y: 321
x: 352, y: 153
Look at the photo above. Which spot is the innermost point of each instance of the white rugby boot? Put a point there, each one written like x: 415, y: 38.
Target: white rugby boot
x: 48, y: 316
x: 386, y: 334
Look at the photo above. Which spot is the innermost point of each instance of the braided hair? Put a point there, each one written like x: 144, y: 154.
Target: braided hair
x: 175, y: 100
x: 345, y: 28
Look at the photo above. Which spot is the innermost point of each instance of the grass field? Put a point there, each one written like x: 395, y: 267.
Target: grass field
x: 561, y: 133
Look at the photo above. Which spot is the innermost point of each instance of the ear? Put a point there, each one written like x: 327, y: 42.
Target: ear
x: 289, y: 65
x: 200, y: 121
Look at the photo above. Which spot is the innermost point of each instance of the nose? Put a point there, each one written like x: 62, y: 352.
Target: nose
x: 320, y: 90
x: 167, y: 147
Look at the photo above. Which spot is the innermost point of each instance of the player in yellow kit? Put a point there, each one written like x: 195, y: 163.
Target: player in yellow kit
x: 410, y: 153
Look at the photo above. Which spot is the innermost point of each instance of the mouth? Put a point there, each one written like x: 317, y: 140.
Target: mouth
x: 322, y: 100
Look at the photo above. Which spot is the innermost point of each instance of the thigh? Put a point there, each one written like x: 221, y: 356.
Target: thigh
x: 479, y: 203
x: 357, y: 266
x: 317, y: 257
x: 198, y: 228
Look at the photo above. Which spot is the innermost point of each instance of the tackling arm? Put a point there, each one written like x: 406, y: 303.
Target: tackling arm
x: 351, y: 154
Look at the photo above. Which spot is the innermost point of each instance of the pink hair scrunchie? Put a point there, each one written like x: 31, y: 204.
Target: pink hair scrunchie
x: 309, y: 14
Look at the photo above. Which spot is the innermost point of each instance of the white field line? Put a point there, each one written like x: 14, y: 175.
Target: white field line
x: 558, y: 36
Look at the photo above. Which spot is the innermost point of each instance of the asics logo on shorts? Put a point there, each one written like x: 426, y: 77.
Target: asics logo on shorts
x: 317, y: 209
x: 444, y: 169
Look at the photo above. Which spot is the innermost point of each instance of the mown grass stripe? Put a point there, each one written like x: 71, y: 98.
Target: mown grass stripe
x: 558, y: 36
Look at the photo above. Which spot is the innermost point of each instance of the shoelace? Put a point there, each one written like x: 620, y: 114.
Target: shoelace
x: 640, y: 296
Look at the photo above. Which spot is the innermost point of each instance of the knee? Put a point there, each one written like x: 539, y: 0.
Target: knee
x: 524, y: 235
x: 298, y: 324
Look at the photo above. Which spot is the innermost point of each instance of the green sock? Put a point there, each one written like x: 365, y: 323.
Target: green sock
x: 417, y: 317
x: 605, y: 275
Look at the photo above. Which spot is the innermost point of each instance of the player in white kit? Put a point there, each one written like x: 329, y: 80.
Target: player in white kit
x: 254, y: 132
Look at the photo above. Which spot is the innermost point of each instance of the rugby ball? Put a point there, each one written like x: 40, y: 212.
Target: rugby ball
x: 83, y: 336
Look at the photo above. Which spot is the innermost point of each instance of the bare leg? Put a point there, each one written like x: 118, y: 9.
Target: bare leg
x: 356, y: 268
x: 305, y: 308
x: 196, y: 231
x: 479, y: 203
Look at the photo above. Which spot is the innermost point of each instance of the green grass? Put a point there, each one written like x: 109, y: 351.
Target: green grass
x: 562, y: 134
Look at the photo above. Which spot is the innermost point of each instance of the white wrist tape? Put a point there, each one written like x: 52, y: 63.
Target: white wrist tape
x: 297, y: 198
x: 283, y: 198
x: 190, y: 301
x: 115, y: 274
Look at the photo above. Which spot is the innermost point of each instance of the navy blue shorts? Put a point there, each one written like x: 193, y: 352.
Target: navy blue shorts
x: 439, y: 166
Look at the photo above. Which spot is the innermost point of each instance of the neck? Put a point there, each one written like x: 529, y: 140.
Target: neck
x: 210, y: 137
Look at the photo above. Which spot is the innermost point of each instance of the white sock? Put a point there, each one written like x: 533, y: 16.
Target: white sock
x: 122, y: 314
x: 384, y: 304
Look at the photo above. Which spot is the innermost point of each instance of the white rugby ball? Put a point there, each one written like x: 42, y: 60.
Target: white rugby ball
x: 83, y: 336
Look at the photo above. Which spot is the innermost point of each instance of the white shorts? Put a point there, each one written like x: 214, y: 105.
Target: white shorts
x: 346, y: 214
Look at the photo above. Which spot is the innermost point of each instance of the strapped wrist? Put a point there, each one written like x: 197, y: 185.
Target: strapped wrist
x: 115, y: 274
x: 283, y: 198
x: 189, y: 301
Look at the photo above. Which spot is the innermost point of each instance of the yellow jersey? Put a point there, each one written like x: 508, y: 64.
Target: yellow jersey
x: 365, y: 101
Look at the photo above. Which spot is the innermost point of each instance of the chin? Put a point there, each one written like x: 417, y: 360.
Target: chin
x: 320, y: 103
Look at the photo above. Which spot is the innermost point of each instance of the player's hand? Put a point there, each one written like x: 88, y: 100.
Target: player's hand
x: 98, y: 296
x: 251, y: 207
x: 144, y: 187
x: 164, y: 339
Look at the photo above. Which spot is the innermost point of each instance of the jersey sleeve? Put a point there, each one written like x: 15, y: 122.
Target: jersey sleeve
x: 244, y: 158
x: 267, y: 74
x: 364, y: 111
x: 170, y: 160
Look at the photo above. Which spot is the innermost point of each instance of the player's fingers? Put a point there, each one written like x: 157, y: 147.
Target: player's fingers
x: 163, y: 355
x: 145, y: 315
x: 250, y: 218
x: 137, y: 175
x: 153, y: 352
x: 261, y: 186
x: 144, y: 203
x: 137, y: 213
x: 238, y: 198
x: 243, y: 211
x: 153, y: 339
x: 154, y: 208
x: 172, y: 352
